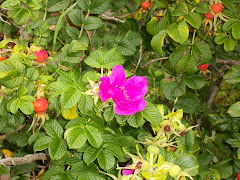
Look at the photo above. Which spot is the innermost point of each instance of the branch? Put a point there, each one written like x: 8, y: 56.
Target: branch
x: 212, y: 97
x: 150, y: 62
x: 23, y: 160
x: 18, y: 129
x: 231, y: 61
x: 103, y: 16
x: 140, y: 57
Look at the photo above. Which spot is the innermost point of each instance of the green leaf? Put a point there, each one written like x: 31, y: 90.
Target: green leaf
x: 90, y: 175
x: 85, y: 104
x: 173, y: 89
x: 106, y: 159
x: 225, y: 171
x: 232, y: 77
x: 26, y: 107
x: 235, y: 31
x: 10, y: 3
x: 202, y: 7
x: 14, y: 106
x: 229, y: 44
x: 202, y: 52
x: 99, y: 6
x: 157, y: 41
x: 75, y: 137
x: 194, y: 19
x: 41, y: 143
x: 70, y: 97
x: 3, y: 169
x: 228, y: 25
x: 90, y: 154
x: 189, y: 140
x: 28, y: 98
x: 126, y: 47
x: 136, y: 120
x: 92, y: 23
x: 32, y: 73
x: 151, y: 114
x: 105, y: 59
x: 108, y: 113
x: 77, y: 17
x: 178, y: 32
x: 72, y: 32
x: 53, y: 128
x: 188, y: 103
x: 220, y: 39
x: 57, y: 5
x: 186, y: 63
x: 180, y: 10
x: 57, y: 148
x: 234, y: 109
x: 94, y: 136
x: 155, y: 25
x: 11, y: 78
x: 194, y: 81
x: 19, y: 14
x: 115, y: 149
x: 134, y: 38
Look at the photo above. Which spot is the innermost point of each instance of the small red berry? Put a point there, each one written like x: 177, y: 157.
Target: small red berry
x: 204, y: 67
x: 217, y: 8
x: 238, y: 177
x: 209, y: 16
x: 145, y: 5
x: 40, y: 105
x: 42, y: 55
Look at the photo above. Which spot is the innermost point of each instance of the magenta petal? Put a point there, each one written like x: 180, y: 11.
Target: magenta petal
x: 130, y: 108
x: 127, y: 171
x: 118, y: 76
x: 136, y: 87
x: 104, y: 88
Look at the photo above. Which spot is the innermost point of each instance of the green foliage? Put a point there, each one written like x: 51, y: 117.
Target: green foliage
x: 84, y: 40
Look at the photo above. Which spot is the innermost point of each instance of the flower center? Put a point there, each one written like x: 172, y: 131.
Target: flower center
x: 124, y: 92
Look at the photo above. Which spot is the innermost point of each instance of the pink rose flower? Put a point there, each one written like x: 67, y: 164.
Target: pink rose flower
x: 127, y: 95
x: 127, y: 171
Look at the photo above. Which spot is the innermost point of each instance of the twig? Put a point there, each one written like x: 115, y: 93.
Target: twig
x: 1, y: 19
x: 5, y: 51
x: 150, y: 62
x: 18, y: 129
x: 140, y: 57
x: 103, y: 16
x: 212, y: 97
x: 23, y: 160
x: 231, y: 61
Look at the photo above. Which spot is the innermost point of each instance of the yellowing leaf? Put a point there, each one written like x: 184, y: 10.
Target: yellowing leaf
x: 70, y: 113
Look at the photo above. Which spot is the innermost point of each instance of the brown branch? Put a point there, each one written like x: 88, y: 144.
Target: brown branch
x: 23, y: 160
x: 18, y: 129
x: 231, y: 61
x: 103, y: 16
x: 140, y: 57
x: 211, y: 98
x: 154, y: 60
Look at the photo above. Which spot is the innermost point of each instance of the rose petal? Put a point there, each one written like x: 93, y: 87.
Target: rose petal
x: 136, y: 87
x: 118, y: 76
x: 128, y: 171
x: 104, y: 88
x: 130, y: 108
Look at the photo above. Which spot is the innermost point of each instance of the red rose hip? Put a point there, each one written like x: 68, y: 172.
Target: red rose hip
x: 145, y: 5
x: 209, y: 15
x: 204, y: 67
x: 217, y: 7
x: 42, y: 55
x: 40, y: 105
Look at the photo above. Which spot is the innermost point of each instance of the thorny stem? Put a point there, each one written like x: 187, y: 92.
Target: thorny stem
x: 140, y: 57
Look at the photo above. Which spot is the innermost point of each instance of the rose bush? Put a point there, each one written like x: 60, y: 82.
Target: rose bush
x: 149, y: 84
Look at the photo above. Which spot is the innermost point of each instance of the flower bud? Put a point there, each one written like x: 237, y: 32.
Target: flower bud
x: 153, y: 149
x: 174, y: 171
